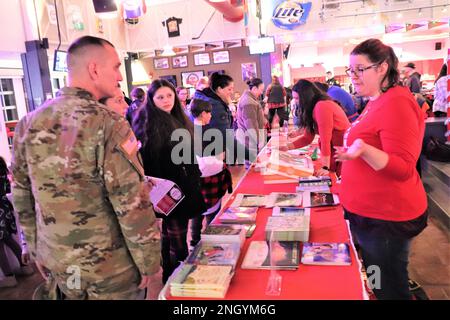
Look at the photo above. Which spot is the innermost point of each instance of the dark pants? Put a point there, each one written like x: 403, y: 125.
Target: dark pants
x: 390, y: 254
x: 197, y: 225
x: 8, y: 241
x: 282, y: 115
x: 173, y: 245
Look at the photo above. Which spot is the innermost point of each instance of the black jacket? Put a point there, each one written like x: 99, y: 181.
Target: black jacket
x: 185, y: 175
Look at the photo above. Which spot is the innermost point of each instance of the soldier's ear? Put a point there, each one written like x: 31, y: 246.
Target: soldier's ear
x: 93, y: 70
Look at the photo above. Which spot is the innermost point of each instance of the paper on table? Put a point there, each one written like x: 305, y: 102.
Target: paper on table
x: 165, y: 195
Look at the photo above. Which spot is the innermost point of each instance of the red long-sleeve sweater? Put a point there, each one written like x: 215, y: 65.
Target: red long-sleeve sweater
x: 331, y: 124
x: 394, y: 123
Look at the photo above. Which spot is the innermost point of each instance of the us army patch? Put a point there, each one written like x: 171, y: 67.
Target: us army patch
x: 130, y: 145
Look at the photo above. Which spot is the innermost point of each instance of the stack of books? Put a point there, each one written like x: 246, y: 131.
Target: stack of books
x: 328, y: 254
x: 238, y: 215
x: 215, y: 253
x: 224, y: 233
x: 282, y: 255
x: 288, y: 228
x: 203, y: 281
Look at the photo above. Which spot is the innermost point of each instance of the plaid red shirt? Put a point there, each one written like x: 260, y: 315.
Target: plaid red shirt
x: 215, y: 187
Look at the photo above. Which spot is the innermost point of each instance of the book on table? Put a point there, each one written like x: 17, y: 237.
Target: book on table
x: 249, y: 200
x: 291, y: 228
x: 283, y: 199
x: 203, y: 281
x: 215, y: 253
x: 290, y: 211
x: 272, y: 255
x: 326, y: 253
x: 238, y: 215
x: 319, y: 199
x: 314, y: 184
x: 224, y: 233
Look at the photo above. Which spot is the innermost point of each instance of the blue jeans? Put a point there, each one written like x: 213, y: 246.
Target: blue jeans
x: 390, y: 254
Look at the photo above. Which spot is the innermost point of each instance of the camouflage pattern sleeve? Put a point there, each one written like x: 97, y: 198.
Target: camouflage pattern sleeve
x: 23, y: 199
x: 129, y: 195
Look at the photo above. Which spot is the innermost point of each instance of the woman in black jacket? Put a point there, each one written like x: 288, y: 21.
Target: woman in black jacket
x: 154, y: 125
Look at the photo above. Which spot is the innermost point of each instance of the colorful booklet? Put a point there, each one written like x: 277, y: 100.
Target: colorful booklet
x: 165, y: 195
x: 281, y: 199
x: 212, y: 253
x: 249, y: 200
x: 290, y: 211
x: 319, y: 199
x: 238, y: 215
x: 329, y: 254
x: 272, y: 255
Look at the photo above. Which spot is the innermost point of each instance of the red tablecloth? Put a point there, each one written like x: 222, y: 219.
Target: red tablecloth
x: 308, y: 282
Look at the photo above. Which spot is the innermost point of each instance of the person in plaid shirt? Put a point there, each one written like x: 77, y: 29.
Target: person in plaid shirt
x: 216, y: 178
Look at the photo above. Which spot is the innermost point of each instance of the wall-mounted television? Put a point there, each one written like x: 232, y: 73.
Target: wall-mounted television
x: 262, y: 45
x: 60, y: 61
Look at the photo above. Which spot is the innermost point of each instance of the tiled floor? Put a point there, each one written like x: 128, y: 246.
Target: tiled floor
x: 429, y: 263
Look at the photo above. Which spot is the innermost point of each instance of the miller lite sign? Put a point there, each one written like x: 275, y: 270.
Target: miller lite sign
x: 290, y: 14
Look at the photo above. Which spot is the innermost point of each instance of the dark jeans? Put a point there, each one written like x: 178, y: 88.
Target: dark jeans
x: 197, y: 224
x: 173, y: 244
x: 390, y: 254
x: 8, y: 241
x: 282, y: 115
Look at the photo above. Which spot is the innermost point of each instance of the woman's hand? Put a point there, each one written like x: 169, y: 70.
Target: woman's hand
x: 353, y: 152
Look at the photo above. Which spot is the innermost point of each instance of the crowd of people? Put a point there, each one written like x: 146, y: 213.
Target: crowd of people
x: 80, y: 163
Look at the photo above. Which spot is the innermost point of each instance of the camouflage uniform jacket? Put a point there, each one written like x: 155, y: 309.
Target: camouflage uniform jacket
x: 79, y: 191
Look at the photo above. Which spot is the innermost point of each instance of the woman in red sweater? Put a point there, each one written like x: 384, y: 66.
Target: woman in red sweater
x: 381, y: 191
x: 319, y: 114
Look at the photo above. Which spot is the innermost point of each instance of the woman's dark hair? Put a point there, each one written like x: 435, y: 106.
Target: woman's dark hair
x: 442, y: 73
x: 322, y: 86
x: 219, y: 80
x: 138, y: 93
x: 309, y: 95
x: 3, y: 167
x: 254, y: 82
x: 152, y: 123
x: 377, y: 52
x: 198, y: 106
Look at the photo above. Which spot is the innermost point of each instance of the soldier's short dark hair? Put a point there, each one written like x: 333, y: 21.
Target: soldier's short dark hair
x: 85, y: 41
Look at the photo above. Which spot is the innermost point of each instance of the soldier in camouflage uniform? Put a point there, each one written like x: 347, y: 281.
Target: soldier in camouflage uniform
x: 79, y: 185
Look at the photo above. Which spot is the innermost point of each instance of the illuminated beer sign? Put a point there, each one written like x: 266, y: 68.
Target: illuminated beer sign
x: 290, y: 14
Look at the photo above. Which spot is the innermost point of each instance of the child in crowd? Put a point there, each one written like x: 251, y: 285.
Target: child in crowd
x: 216, y: 178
